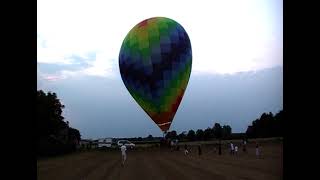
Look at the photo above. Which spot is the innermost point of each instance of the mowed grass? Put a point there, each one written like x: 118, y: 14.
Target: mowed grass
x: 158, y: 163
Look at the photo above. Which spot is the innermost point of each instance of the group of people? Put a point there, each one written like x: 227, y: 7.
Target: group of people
x: 234, y: 148
x: 187, y: 150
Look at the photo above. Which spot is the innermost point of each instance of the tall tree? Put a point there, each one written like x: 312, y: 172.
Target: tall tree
x: 226, y: 131
x: 171, y: 135
x: 150, y: 137
x: 182, y: 136
x: 191, y: 135
x: 217, y: 130
x: 208, y: 134
x: 267, y: 125
x: 199, y: 134
x: 49, y: 110
x: 53, y: 134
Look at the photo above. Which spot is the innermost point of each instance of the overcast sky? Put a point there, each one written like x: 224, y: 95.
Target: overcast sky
x: 79, y: 43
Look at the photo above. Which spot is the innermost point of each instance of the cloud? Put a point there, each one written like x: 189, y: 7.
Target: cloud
x: 89, y: 63
x: 102, y: 66
x: 98, y: 68
x: 226, y: 36
x: 42, y: 78
x: 52, y: 78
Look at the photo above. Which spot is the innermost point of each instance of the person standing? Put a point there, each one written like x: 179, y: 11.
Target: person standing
x: 236, y: 150
x: 231, y: 148
x: 199, y: 150
x: 186, y: 152
x: 257, y: 150
x: 172, y: 145
x: 220, y: 147
x: 123, y: 149
x: 244, y: 145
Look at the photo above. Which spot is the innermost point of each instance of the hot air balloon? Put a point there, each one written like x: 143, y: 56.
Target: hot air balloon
x: 155, y: 64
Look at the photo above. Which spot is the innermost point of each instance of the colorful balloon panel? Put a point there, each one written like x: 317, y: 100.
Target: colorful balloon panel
x: 155, y: 65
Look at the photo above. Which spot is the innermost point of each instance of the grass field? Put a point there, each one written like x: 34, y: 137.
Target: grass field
x: 162, y: 164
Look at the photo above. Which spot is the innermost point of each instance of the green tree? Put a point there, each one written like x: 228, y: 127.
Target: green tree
x: 150, y: 137
x: 267, y: 125
x: 191, y: 135
x: 49, y: 110
x: 226, y: 131
x: 199, y: 134
x: 182, y: 136
x: 217, y: 130
x: 208, y: 134
x: 54, y: 136
x: 171, y: 135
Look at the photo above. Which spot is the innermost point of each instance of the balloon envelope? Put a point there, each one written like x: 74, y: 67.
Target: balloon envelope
x: 155, y: 65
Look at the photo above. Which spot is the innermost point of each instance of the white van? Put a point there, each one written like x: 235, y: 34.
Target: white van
x: 127, y: 143
x: 104, y: 142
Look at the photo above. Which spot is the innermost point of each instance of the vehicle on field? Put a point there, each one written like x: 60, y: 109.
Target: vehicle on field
x: 105, y: 142
x: 127, y: 143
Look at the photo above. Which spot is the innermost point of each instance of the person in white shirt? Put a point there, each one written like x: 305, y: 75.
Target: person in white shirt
x: 123, y: 149
x: 172, y: 145
x: 257, y: 150
x: 236, y: 150
x: 244, y: 146
x: 186, y: 152
x: 231, y: 148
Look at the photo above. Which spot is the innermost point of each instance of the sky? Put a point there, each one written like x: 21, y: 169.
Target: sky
x: 237, y: 52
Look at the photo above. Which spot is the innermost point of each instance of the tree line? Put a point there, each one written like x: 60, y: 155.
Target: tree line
x: 54, y: 135
x: 217, y: 131
x: 268, y: 125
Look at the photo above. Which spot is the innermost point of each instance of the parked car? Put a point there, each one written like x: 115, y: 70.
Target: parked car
x: 127, y: 143
x: 105, y: 142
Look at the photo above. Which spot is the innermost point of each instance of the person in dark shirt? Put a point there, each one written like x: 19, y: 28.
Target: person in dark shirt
x: 199, y: 150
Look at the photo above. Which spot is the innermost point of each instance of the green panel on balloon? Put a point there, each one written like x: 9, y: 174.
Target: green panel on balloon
x: 155, y: 63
